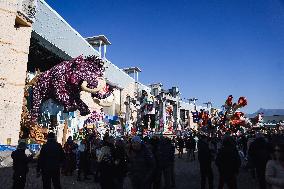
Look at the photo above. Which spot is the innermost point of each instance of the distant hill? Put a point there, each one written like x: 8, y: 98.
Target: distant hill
x: 267, y: 112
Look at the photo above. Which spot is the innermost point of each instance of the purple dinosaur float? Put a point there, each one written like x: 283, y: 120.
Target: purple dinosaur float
x: 64, y: 82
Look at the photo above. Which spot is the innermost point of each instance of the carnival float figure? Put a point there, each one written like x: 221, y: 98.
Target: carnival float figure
x: 149, y: 111
x: 168, y: 127
x: 215, y: 117
x: 233, y: 119
x: 228, y: 120
x: 204, y: 118
x: 64, y: 82
x: 258, y: 121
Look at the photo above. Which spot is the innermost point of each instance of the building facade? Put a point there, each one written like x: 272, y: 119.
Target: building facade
x: 15, y: 33
x: 38, y: 39
x: 34, y: 38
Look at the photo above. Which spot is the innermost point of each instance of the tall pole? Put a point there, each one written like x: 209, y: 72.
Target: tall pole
x: 100, y: 49
x: 208, y: 104
x: 194, y: 102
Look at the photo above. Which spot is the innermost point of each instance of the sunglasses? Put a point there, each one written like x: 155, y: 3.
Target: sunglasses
x: 278, y: 150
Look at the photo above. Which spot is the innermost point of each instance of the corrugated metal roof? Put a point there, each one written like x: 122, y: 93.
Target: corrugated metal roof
x: 51, y: 29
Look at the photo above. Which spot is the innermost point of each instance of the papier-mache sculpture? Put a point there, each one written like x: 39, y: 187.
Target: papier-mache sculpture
x: 64, y: 82
x: 232, y: 117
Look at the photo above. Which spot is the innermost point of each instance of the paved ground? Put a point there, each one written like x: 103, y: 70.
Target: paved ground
x: 187, y: 177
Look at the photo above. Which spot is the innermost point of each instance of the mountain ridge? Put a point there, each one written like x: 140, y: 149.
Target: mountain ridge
x: 267, y: 112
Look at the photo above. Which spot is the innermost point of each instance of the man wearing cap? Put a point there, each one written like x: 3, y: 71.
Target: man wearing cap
x: 20, y: 166
x: 50, y: 161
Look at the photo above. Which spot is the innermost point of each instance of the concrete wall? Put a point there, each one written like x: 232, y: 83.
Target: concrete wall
x: 14, y: 49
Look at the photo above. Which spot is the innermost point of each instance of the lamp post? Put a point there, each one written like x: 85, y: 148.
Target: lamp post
x: 194, y: 102
x: 208, y: 105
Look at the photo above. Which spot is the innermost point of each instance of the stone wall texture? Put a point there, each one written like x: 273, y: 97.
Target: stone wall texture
x: 14, y: 49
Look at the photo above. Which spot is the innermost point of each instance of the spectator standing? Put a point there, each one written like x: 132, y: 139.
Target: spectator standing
x: 106, y: 168
x: 83, y: 160
x: 259, y: 154
x: 187, y: 146
x: 141, y: 164
x: 164, y: 160
x: 228, y: 162
x: 205, y: 160
x: 120, y: 163
x: 275, y: 168
x: 180, y: 143
x: 20, y: 166
x: 50, y: 161
x: 192, y: 148
x: 70, y: 154
x: 244, y: 145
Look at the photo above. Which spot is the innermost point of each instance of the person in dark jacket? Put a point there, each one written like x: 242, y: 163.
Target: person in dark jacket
x: 180, y: 143
x: 192, y: 148
x: 141, y: 164
x: 20, y: 166
x: 50, y: 161
x: 70, y: 154
x: 187, y: 146
x: 228, y: 162
x: 120, y: 163
x: 259, y: 153
x: 106, y: 168
x: 165, y: 156
x: 244, y: 141
x: 83, y: 165
x: 106, y: 165
x: 205, y: 159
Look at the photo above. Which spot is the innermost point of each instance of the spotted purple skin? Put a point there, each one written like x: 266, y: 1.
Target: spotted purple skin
x: 63, y: 82
x: 93, y: 118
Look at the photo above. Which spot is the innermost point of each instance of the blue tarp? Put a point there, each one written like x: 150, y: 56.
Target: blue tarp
x: 32, y: 147
x: 7, y: 148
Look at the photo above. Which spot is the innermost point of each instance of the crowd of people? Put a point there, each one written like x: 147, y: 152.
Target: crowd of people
x: 262, y: 156
x: 147, y: 161
x: 107, y: 162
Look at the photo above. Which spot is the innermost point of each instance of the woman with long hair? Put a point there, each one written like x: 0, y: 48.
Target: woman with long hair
x: 274, y: 174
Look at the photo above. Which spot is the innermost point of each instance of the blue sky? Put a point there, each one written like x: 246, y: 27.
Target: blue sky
x: 210, y: 49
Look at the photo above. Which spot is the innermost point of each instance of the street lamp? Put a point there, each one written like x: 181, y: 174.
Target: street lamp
x: 194, y: 102
x: 208, y: 104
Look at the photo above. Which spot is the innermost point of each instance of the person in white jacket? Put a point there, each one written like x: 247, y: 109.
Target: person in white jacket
x: 274, y: 174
